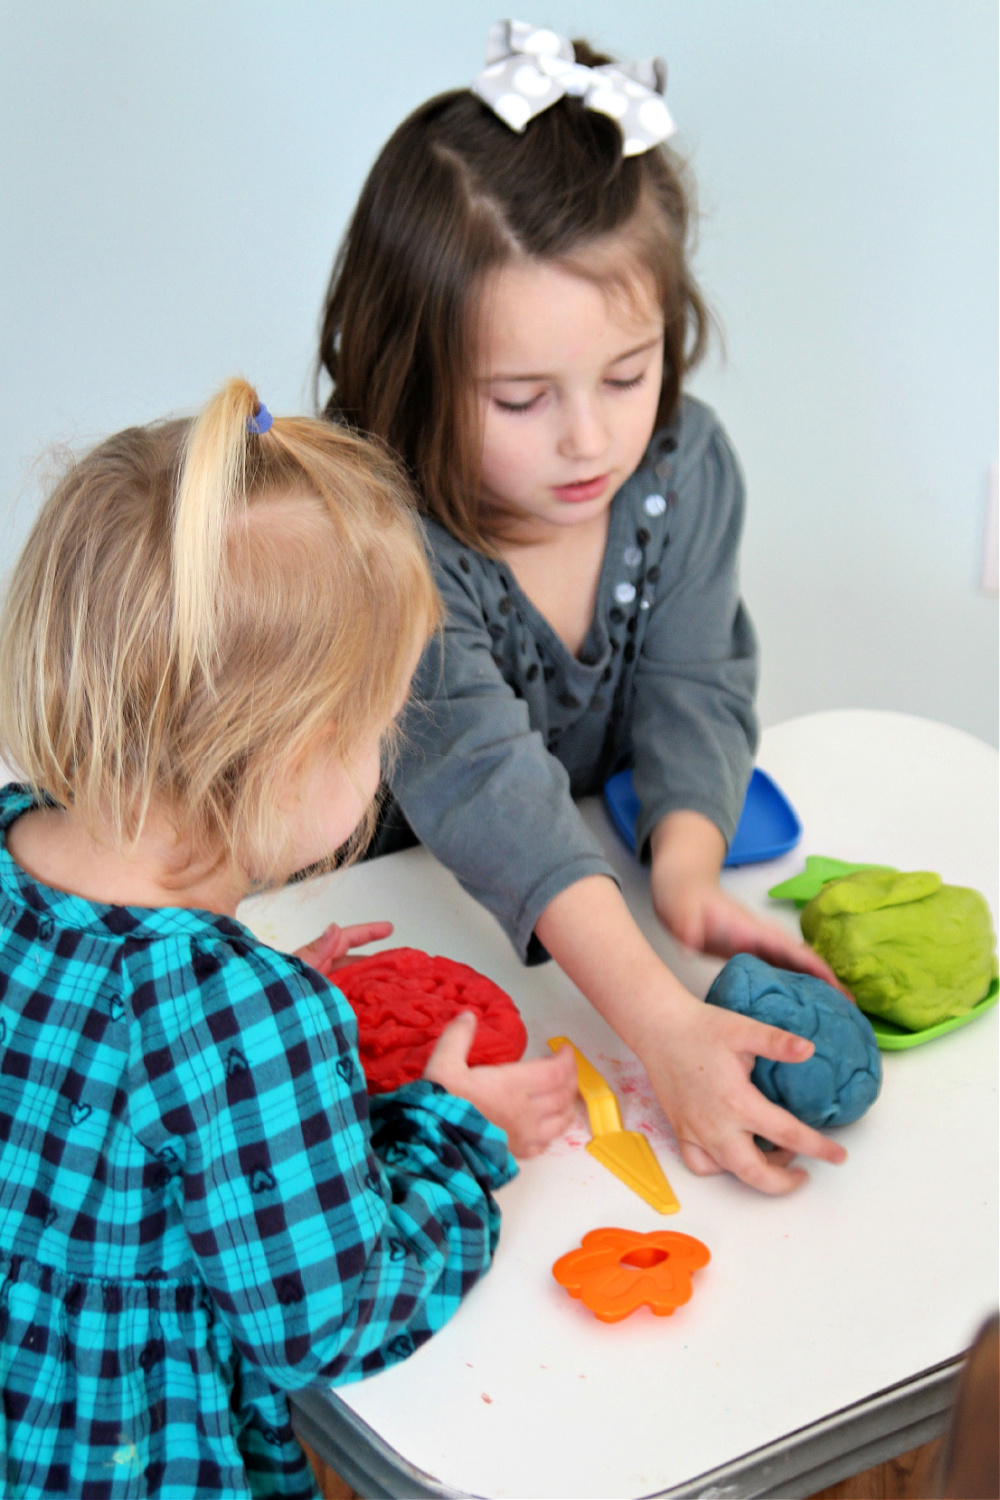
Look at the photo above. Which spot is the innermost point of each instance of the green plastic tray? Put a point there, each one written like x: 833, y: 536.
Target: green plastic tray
x: 893, y: 1038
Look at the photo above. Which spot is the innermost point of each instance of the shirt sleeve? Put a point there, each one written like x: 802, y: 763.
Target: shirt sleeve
x: 332, y: 1243
x: 694, y: 728
x: 477, y: 783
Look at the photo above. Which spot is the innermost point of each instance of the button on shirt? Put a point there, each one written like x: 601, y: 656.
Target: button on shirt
x: 507, y: 727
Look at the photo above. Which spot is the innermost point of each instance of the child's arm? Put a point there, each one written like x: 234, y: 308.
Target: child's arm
x: 694, y: 726
x: 474, y: 778
x: 687, y: 853
x: 699, y: 1057
x: 333, y: 1243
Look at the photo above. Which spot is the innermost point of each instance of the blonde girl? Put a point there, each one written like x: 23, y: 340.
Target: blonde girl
x: 203, y: 649
x: 513, y: 311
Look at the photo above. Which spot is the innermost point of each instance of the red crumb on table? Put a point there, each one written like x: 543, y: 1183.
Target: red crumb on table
x: 487, y: 1399
x: 404, y: 999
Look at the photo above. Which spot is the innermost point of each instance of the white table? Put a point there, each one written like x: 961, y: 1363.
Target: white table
x: 825, y: 1333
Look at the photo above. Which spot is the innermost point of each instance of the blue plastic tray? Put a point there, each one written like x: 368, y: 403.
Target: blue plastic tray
x: 769, y: 825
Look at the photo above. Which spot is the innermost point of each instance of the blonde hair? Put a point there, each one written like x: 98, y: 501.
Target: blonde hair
x: 196, y: 609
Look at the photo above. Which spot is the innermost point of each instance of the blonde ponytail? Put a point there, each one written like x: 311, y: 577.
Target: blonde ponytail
x: 196, y: 608
x: 211, y: 491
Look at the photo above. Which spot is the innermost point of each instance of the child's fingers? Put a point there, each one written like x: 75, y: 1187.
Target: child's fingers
x: 451, y: 1050
x: 557, y: 1116
x: 349, y: 938
x: 551, y: 1126
x: 779, y: 948
x: 697, y: 1159
x: 328, y: 951
x: 524, y: 1148
x: 809, y: 962
x: 747, y: 1035
x: 555, y: 1104
x: 737, y: 1152
x: 539, y: 1076
x: 322, y: 950
x: 772, y: 943
x: 769, y: 1173
x: 761, y: 1170
x: 365, y: 932
x: 777, y: 1156
x: 777, y: 1125
x: 534, y: 1135
x: 736, y: 930
x: 556, y: 1075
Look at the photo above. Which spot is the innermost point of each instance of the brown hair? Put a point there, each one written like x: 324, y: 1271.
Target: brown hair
x: 454, y: 194
x: 196, y: 609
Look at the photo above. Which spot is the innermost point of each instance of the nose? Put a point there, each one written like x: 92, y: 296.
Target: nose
x: 584, y: 435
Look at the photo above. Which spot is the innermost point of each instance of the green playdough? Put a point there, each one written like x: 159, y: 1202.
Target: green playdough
x: 818, y: 871
x: 908, y: 947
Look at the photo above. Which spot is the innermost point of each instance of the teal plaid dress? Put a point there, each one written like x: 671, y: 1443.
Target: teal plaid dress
x: 199, y: 1208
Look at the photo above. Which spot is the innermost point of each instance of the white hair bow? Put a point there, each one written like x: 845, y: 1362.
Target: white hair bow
x: 529, y: 68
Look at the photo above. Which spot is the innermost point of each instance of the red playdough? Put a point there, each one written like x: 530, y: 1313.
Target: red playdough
x: 404, y: 999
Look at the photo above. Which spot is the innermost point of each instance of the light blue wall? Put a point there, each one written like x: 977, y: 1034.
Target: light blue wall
x: 174, y: 178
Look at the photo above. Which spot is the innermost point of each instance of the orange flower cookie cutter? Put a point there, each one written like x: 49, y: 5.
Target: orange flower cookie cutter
x: 617, y: 1271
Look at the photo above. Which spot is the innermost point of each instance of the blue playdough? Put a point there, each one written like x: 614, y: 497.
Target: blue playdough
x: 844, y: 1074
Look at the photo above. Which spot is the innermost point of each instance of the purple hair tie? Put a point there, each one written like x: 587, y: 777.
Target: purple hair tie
x: 261, y: 421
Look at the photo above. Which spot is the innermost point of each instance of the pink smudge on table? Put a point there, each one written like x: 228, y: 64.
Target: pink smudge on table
x: 575, y: 1138
x: 639, y: 1106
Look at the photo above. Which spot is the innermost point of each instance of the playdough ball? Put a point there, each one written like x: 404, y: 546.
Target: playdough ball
x: 404, y: 999
x: 842, y: 1078
x: 906, y: 946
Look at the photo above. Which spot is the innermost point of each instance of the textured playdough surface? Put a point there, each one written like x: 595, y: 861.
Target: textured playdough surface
x: 908, y: 947
x: 842, y: 1078
x: 404, y: 999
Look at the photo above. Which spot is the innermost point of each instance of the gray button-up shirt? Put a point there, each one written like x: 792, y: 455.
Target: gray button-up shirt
x: 507, y: 726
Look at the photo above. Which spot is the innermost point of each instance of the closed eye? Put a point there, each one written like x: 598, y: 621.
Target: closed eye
x: 517, y: 406
x: 627, y: 385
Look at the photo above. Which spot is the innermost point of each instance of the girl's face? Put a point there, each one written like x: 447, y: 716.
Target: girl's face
x: 569, y: 386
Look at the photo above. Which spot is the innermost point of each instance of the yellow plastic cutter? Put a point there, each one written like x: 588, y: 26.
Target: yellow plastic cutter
x: 626, y: 1153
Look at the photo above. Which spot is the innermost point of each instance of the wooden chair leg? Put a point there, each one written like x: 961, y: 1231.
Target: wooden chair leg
x: 971, y: 1469
x: 331, y: 1486
x: 911, y: 1476
x: 963, y: 1466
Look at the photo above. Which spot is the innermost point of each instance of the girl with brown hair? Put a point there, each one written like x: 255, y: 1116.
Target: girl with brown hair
x: 513, y: 311
x: 202, y: 653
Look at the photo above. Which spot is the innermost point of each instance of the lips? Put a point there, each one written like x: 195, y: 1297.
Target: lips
x: 584, y: 489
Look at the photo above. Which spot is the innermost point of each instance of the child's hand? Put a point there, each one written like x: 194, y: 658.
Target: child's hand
x: 700, y: 1064
x: 699, y: 1057
x: 532, y: 1101
x: 329, y: 951
x: 702, y: 916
